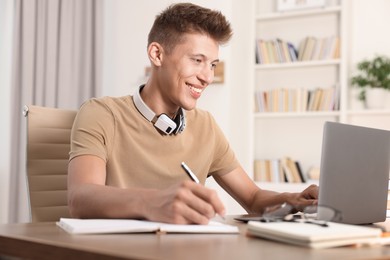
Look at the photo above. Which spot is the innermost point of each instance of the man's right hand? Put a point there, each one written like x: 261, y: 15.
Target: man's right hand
x: 184, y: 203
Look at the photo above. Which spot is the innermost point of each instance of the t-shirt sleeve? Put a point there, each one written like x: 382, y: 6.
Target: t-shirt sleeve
x: 92, y: 130
x: 224, y: 160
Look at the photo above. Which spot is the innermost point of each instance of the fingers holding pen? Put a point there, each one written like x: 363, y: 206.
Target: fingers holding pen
x: 188, y: 207
x: 187, y: 202
x: 196, y: 203
x: 208, y: 195
x: 205, y: 201
x: 184, y: 203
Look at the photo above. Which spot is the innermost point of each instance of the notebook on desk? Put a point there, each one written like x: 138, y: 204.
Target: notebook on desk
x: 316, y: 236
x: 110, y: 226
x: 354, y: 172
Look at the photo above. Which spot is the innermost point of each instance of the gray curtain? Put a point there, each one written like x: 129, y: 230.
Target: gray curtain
x: 57, y: 63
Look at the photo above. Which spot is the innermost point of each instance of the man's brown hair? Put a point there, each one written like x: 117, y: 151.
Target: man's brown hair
x: 178, y: 19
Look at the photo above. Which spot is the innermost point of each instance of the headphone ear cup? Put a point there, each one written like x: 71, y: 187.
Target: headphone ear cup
x: 161, y: 122
x: 180, y: 121
x: 165, y: 124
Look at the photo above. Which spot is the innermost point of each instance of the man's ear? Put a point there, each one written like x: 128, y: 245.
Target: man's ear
x: 155, y: 53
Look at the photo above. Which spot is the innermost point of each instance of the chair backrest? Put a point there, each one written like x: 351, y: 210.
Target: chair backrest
x: 48, y: 145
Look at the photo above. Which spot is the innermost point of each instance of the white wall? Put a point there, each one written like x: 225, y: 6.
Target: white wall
x: 369, y: 34
x: 6, y: 11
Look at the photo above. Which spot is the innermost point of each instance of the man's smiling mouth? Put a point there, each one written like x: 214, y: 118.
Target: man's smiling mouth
x: 196, y: 90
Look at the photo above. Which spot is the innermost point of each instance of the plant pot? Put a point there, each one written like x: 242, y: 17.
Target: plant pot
x: 376, y: 98
x: 387, y: 103
x: 355, y: 103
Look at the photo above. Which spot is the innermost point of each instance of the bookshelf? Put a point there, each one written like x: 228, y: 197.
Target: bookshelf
x: 292, y: 133
x: 298, y: 134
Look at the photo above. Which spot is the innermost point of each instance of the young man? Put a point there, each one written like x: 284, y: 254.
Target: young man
x: 126, y: 152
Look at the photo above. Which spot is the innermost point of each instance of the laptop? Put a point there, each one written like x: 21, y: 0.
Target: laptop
x: 354, y: 173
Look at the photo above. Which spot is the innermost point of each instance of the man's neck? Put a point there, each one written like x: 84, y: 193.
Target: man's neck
x: 155, y: 101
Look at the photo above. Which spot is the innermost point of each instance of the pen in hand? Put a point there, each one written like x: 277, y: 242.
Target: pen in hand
x: 193, y: 177
x: 189, y: 172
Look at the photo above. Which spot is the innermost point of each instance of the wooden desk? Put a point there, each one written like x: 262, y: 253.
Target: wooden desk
x: 47, y: 241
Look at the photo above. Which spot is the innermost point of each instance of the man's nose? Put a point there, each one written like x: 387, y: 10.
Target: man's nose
x: 207, y: 75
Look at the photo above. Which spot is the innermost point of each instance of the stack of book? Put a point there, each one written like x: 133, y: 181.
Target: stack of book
x: 275, y: 51
x: 310, y: 48
x: 296, y: 100
x: 278, y: 170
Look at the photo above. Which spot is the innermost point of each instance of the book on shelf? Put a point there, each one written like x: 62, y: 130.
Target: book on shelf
x: 285, y: 51
x: 314, y: 173
x: 268, y: 171
x: 307, y: 49
x: 300, y: 172
x: 310, y: 48
x: 314, y: 48
x: 296, y: 100
x: 278, y: 170
x: 288, y: 172
x: 292, y: 51
x: 316, y: 101
x: 291, y: 170
x: 275, y: 51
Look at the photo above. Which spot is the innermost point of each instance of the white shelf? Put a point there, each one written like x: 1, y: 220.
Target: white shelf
x: 293, y: 14
x: 369, y: 112
x: 296, y: 114
x: 298, y: 64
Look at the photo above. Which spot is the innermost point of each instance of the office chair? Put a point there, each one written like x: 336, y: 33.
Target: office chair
x: 48, y: 145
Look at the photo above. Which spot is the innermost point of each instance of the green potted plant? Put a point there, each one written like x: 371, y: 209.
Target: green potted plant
x: 374, y: 80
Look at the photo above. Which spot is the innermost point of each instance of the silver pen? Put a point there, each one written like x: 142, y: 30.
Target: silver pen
x: 194, y: 178
x: 189, y: 172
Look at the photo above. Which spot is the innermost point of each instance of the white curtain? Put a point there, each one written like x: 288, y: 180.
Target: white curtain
x: 57, y: 63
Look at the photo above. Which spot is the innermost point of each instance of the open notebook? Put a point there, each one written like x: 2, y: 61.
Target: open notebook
x: 102, y: 226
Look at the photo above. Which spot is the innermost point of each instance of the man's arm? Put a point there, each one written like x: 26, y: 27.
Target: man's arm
x: 89, y: 197
x: 255, y: 200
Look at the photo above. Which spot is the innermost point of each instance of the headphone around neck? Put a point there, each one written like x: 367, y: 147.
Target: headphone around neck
x: 161, y: 122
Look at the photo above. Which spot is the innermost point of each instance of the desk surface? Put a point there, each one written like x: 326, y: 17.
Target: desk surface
x: 47, y: 241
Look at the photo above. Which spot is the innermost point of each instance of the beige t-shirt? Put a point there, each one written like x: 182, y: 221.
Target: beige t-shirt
x: 138, y: 155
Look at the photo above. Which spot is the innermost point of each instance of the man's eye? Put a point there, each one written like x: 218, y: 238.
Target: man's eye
x: 197, y: 60
x: 213, y: 66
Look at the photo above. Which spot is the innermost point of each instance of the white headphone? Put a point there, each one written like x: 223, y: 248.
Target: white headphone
x: 161, y: 122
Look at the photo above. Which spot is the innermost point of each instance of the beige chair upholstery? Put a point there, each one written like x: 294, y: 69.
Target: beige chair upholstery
x: 48, y: 145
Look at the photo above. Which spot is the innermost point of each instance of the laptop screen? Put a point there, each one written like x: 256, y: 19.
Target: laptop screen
x: 354, y: 172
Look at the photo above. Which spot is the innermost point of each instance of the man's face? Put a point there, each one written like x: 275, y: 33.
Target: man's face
x: 188, y: 70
